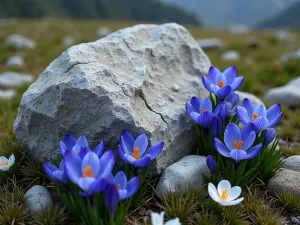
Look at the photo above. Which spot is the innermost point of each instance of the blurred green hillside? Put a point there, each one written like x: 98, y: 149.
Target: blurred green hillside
x: 136, y: 10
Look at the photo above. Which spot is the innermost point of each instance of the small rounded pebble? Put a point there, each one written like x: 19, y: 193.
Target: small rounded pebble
x: 171, y: 98
x: 295, y: 220
x: 175, y: 87
x: 142, y: 211
x: 148, y: 212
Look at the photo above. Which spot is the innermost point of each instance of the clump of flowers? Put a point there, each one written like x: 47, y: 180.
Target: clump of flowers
x: 6, y: 163
x: 87, y: 180
x: 235, y: 138
x: 158, y: 219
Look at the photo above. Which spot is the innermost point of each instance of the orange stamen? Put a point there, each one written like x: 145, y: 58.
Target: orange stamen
x: 224, y: 194
x: 118, y: 186
x: 136, y: 153
x: 221, y: 83
x: 255, y: 116
x: 238, y: 144
x: 202, y: 110
x: 5, y: 163
x: 87, y: 172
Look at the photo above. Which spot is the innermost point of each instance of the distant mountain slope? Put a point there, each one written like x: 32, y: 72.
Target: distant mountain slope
x: 222, y: 13
x: 288, y: 18
x: 140, y: 10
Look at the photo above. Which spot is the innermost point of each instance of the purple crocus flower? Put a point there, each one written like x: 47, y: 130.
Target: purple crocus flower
x: 125, y: 188
x: 111, y: 198
x: 211, y: 163
x: 238, y: 142
x: 221, y: 111
x: 259, y: 116
x: 90, y: 172
x: 269, y: 136
x: 57, y: 174
x: 135, y: 151
x: 216, y: 126
x: 79, y: 146
x: 222, y: 84
x: 200, y: 111
x: 231, y: 103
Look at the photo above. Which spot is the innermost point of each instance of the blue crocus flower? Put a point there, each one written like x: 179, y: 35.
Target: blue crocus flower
x: 125, y: 188
x: 238, y: 142
x: 79, y: 146
x: 222, y: 84
x: 211, y: 163
x: 216, y: 126
x: 221, y: 111
x: 269, y: 136
x: 259, y: 116
x: 57, y: 174
x: 90, y: 172
x: 135, y: 152
x: 200, y: 111
x: 231, y: 103
x: 111, y: 198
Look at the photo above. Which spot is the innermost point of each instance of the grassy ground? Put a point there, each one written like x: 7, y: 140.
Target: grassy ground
x: 265, y: 72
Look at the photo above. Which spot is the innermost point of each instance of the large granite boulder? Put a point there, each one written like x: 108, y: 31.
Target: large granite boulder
x: 123, y: 81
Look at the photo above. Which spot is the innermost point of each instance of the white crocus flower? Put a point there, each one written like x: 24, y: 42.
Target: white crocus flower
x: 158, y: 219
x: 5, y: 163
x: 225, y: 195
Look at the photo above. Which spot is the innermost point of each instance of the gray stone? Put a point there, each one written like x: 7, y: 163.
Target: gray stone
x: 187, y: 172
x: 175, y: 87
x: 285, y: 180
x: 231, y: 55
x: 7, y: 94
x: 38, y: 198
x: 148, y: 212
x: 210, y: 43
x: 252, y: 42
x: 68, y: 41
x: 239, y: 29
x: 103, y: 32
x: 295, y: 220
x: 142, y: 211
x: 20, y: 42
x: 255, y: 100
x: 10, y: 80
x: 285, y: 95
x: 290, y: 56
x: 283, y: 35
x: 292, y: 163
x: 97, y: 90
x: 294, y: 82
x: 15, y: 61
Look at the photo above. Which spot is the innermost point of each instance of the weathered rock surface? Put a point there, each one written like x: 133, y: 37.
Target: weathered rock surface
x: 231, y: 55
x: 15, y: 61
x: 123, y: 81
x: 20, y: 42
x: 187, y: 173
x: 285, y: 180
x: 292, y: 163
x: 7, y: 94
x: 38, y: 198
x: 10, y: 80
x: 210, y: 43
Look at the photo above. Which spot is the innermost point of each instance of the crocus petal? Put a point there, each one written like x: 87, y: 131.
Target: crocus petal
x: 207, y: 84
x: 273, y: 112
x: 127, y: 141
x: 107, y: 163
x: 246, y: 130
x: 205, y: 118
x: 222, y: 78
x: 213, y: 72
x: 60, y: 176
x: 63, y: 147
x: 99, y: 185
x: 224, y: 92
x: 11, y: 160
x: 196, y: 104
x: 232, y: 133
x: 132, y: 187
x: 213, y: 193
x: 120, y: 179
x: 82, y: 152
x: 275, y: 121
x: 230, y: 74
x: 216, y: 126
x: 237, y: 83
x: 260, y: 110
x: 142, y: 162
x: 141, y: 142
x: 254, y: 151
x: 248, y: 140
x: 206, y: 104
x: 229, y: 203
x: 157, y: 219
x: 49, y: 169
x: 91, y: 159
x: 85, y: 182
x: 175, y: 221
x: 155, y: 150
x: 99, y: 149
x: 243, y: 115
x: 234, y: 193
x: 194, y: 116
x: 82, y: 142
x: 111, y: 198
x: 121, y: 154
x: 261, y: 123
x: 72, y: 166
x: 129, y: 158
x: 223, y: 185
x: 247, y: 104
x: 221, y: 148
x: 69, y: 141
x: 238, y: 155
